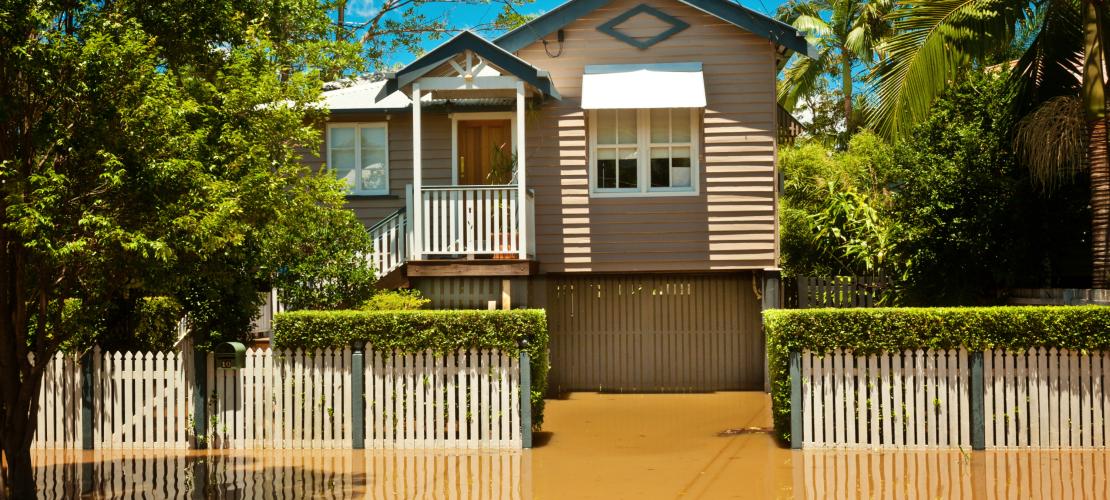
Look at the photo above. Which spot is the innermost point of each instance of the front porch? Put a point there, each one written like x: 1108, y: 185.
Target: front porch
x: 483, y: 222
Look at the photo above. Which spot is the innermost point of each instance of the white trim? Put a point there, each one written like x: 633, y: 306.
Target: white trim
x: 432, y: 83
x: 358, y: 154
x: 643, y: 159
x: 485, y: 115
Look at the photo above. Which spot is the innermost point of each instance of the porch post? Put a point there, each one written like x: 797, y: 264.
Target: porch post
x: 521, y: 191
x: 417, y: 181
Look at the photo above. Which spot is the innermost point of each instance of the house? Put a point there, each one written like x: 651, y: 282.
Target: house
x: 612, y: 161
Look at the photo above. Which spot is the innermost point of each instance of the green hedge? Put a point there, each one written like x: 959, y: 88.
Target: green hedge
x: 416, y: 331
x: 867, y: 331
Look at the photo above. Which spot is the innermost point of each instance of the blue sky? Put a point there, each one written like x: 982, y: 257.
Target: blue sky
x: 470, y: 13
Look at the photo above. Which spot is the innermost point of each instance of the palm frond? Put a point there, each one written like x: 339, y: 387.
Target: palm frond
x: 1052, y: 141
x: 813, y: 26
x: 935, y: 39
x: 800, y: 78
x: 1051, y: 64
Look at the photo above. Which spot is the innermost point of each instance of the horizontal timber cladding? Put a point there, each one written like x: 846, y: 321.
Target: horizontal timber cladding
x: 436, y: 155
x: 729, y: 224
x: 649, y: 333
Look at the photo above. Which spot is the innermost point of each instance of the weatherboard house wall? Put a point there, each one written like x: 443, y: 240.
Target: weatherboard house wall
x: 728, y: 223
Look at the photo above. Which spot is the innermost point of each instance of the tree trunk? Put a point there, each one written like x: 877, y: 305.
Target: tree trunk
x: 1094, y: 102
x: 340, y: 20
x: 15, y: 440
x: 846, y: 78
x: 1099, y: 164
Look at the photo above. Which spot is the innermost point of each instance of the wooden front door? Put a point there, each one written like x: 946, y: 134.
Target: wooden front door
x: 485, y: 152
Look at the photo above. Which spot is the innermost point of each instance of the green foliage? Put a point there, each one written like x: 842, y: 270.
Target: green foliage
x: 831, y: 209
x: 143, y: 324
x: 867, y: 331
x: 970, y: 220
x: 321, y: 252
x: 417, y: 331
x: 396, y: 300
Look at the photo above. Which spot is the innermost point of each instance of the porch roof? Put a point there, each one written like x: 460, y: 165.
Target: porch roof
x: 470, y: 41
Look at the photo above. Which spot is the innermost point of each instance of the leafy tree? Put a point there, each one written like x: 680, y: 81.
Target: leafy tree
x: 935, y: 42
x: 847, y: 35
x: 970, y: 220
x: 143, y: 152
x: 394, y: 26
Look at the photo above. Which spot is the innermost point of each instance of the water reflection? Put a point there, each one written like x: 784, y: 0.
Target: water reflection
x: 279, y: 474
x: 950, y: 474
x: 377, y: 474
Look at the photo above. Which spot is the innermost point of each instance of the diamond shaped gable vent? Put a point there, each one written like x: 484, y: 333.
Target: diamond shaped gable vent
x: 612, y: 26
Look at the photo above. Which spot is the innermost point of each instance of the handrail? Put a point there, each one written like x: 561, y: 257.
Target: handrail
x: 471, y: 187
x: 387, y: 219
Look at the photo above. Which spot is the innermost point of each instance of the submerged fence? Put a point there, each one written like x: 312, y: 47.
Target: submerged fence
x: 282, y: 399
x: 1041, y: 398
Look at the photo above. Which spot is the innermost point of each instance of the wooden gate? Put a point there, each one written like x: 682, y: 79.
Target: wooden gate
x: 651, y: 333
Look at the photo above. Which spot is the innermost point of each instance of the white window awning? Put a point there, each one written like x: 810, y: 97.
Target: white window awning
x: 638, y: 86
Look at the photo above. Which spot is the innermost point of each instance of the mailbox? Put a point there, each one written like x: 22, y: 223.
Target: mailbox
x: 232, y: 355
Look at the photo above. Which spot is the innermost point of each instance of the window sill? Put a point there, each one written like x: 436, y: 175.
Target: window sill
x: 373, y: 197
x: 641, y: 194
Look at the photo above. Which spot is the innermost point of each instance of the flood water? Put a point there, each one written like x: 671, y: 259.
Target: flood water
x: 595, y: 446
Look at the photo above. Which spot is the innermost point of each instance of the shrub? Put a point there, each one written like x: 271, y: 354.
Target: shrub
x: 142, y: 324
x: 416, y: 331
x: 866, y: 331
x: 395, y: 300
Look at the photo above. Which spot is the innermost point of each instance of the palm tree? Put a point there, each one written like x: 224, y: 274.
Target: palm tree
x: 848, y: 37
x: 1061, y: 73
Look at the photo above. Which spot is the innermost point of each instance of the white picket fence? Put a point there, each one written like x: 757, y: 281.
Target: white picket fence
x: 282, y: 399
x: 1042, y: 398
x: 1045, y: 398
x: 59, y: 417
x: 141, y: 400
x: 910, y: 399
x: 288, y: 399
x: 467, y: 399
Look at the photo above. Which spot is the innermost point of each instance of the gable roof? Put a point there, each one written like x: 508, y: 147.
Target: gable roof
x: 768, y: 27
x: 468, y: 40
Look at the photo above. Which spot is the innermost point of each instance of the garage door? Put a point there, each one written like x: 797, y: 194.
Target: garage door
x: 654, y: 333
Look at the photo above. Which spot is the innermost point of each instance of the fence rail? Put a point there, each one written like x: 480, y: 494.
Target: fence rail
x: 1041, y: 398
x: 806, y: 292
x: 325, y: 399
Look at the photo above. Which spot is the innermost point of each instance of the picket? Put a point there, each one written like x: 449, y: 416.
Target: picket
x: 287, y: 399
x: 1033, y: 399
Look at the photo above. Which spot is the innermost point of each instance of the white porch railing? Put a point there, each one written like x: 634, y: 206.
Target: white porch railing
x: 390, y: 243
x: 472, y: 220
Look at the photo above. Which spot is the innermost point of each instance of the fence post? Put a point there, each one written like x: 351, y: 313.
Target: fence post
x: 796, y: 400
x: 87, y: 400
x: 200, y: 398
x: 525, y: 396
x: 772, y: 299
x: 358, y: 395
x: 978, y: 421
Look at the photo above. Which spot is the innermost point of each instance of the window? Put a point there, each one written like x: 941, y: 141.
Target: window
x: 643, y: 152
x: 358, y: 153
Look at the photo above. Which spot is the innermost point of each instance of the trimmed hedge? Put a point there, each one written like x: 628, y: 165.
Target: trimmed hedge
x: 417, y: 331
x: 867, y: 331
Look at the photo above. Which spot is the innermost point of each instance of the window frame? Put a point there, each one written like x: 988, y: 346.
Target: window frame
x: 358, y: 126
x: 643, y: 147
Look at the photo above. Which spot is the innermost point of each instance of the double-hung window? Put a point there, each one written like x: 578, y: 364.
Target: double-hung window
x: 358, y: 153
x: 645, y: 152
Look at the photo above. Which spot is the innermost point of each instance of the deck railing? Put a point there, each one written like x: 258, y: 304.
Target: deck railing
x: 390, y: 237
x: 472, y: 221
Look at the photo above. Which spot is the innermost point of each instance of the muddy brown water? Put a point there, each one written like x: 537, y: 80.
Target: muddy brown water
x: 595, y: 446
